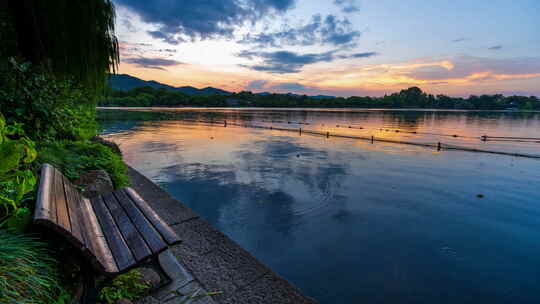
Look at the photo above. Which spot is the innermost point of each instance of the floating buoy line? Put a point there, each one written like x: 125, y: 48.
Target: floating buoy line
x: 438, y: 145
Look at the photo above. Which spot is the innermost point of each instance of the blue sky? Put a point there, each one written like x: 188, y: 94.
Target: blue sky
x: 337, y: 47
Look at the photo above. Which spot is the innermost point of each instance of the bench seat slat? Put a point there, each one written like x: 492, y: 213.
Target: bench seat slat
x: 97, y: 248
x: 43, y: 202
x: 145, y: 228
x: 62, y: 216
x: 74, y: 207
x: 131, y: 235
x: 166, y: 232
x: 52, y: 196
x: 119, y: 249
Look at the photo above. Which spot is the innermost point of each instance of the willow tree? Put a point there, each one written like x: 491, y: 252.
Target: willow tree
x: 70, y: 38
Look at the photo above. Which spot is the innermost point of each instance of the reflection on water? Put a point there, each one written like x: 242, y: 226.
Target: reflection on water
x: 352, y: 222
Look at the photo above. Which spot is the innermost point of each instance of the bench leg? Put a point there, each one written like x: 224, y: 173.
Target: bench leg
x: 93, y: 286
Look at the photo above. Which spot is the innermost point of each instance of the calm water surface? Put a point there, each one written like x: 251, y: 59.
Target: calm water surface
x: 348, y: 221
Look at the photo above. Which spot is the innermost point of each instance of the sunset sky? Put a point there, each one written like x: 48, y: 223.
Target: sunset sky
x: 334, y: 47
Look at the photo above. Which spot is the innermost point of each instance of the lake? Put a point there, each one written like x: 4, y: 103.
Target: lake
x: 350, y: 221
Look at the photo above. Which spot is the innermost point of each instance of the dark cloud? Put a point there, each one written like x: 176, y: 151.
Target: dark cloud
x: 195, y: 19
x: 282, y: 62
x: 152, y: 63
x: 169, y: 38
x: 460, y: 39
x: 495, y: 47
x: 466, y: 66
x: 256, y: 84
x: 363, y: 55
x: 319, y: 31
x: 347, y: 6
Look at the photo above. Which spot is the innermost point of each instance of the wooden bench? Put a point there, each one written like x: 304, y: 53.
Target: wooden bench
x: 115, y: 232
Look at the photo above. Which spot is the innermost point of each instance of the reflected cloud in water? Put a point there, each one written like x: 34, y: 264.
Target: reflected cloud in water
x: 348, y: 221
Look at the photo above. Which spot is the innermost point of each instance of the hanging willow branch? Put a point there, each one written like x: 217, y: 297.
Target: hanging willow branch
x: 71, y: 38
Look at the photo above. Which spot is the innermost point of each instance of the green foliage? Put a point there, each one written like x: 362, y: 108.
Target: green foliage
x: 75, y: 157
x: 127, y: 286
x: 17, y: 179
x: 28, y: 273
x: 412, y: 97
x: 148, y: 97
x: 45, y: 107
x: 71, y: 38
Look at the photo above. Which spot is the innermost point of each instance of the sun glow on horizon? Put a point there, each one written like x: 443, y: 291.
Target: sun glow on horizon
x: 315, y: 48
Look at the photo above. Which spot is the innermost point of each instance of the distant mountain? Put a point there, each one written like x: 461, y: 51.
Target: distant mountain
x: 124, y: 82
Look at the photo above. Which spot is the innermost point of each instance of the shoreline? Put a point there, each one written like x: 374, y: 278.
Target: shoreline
x: 215, y: 262
x: 326, y: 109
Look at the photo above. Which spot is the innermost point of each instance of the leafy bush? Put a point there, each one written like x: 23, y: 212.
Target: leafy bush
x: 75, y: 157
x: 127, y: 286
x: 46, y: 107
x: 28, y: 273
x: 16, y: 176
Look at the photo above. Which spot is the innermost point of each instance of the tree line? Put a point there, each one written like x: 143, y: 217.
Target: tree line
x: 412, y: 97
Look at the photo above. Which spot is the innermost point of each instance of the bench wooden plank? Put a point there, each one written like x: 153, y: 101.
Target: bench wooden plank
x: 74, y: 208
x: 166, y: 232
x: 43, y: 202
x: 145, y: 228
x: 52, y: 215
x: 62, y: 217
x: 120, y: 250
x: 131, y: 235
x: 61, y: 203
x: 96, y: 243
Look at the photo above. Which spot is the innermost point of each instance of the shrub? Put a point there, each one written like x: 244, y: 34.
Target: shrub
x: 75, y: 157
x: 127, y: 286
x: 17, y: 179
x: 46, y: 107
x: 28, y: 273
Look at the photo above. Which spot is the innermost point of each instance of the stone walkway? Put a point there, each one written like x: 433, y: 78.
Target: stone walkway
x: 208, y: 261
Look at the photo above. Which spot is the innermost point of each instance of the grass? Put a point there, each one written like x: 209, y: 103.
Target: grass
x: 28, y: 273
x: 75, y: 157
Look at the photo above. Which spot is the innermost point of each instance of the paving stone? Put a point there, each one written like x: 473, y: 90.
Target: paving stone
x: 147, y: 300
x: 199, y: 235
x: 225, y: 269
x: 179, y: 275
x: 270, y: 289
x: 212, y: 273
x: 150, y: 276
x: 246, y: 268
x: 196, y: 293
x: 184, y: 293
x: 173, y: 268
